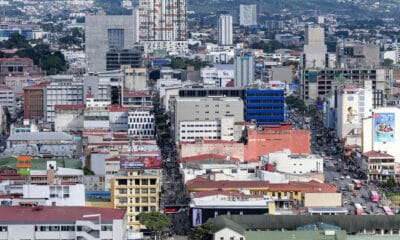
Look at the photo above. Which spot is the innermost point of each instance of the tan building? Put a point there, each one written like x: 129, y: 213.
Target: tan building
x: 135, y: 192
x: 380, y: 165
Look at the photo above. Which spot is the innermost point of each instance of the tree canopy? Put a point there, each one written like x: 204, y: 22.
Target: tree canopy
x: 202, y: 232
x: 154, y: 221
x: 183, y: 63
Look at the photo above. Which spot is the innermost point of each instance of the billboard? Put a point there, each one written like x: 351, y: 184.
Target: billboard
x: 197, y: 218
x: 135, y: 162
x: 350, y: 107
x: 384, y: 127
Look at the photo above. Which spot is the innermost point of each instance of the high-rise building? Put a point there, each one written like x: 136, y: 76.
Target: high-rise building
x: 33, y: 102
x: 225, y: 30
x: 314, y: 53
x: 104, y: 33
x: 163, y: 25
x: 64, y: 90
x: 248, y: 15
x: 244, y: 69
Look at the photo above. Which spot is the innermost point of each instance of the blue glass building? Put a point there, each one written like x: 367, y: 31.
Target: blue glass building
x: 267, y: 107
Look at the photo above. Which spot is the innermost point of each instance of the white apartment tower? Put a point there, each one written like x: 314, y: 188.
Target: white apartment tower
x: 248, y: 15
x: 162, y: 25
x: 244, y: 69
x: 225, y: 30
x: 314, y: 53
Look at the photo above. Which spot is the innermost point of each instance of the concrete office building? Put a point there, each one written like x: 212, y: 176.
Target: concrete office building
x: 314, y: 53
x: 7, y: 99
x: 225, y: 30
x: 244, y: 69
x: 116, y: 58
x: 317, y: 83
x: 248, y: 15
x: 135, y: 79
x: 190, y: 131
x: 206, y: 109
x: 33, y: 102
x: 357, y: 55
x: 63, y: 90
x: 141, y: 124
x: 163, y: 25
x: 108, y: 32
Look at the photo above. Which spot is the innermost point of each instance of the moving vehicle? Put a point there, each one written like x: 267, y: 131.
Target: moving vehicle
x: 374, y: 196
x: 387, y: 210
x: 357, y: 183
x: 359, y: 209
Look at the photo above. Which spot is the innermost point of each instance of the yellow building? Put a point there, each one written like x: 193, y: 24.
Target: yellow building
x: 136, y: 191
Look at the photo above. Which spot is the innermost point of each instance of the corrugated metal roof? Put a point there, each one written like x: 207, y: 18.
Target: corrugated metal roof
x: 37, y: 136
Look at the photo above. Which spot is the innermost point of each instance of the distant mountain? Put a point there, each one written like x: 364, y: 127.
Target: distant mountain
x: 361, y: 9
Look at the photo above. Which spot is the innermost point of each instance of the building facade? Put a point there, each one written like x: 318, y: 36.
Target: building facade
x: 267, y: 107
x: 206, y: 109
x: 162, y: 25
x: 248, y: 15
x: 105, y: 33
x: 141, y: 124
x: 7, y: 99
x: 314, y: 53
x: 225, y: 30
x: 63, y: 90
x: 244, y: 69
x: 135, y: 193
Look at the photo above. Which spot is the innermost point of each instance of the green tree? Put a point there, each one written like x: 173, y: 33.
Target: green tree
x: 154, y: 221
x: 15, y: 40
x: 202, y: 232
x: 387, y: 62
x: 87, y: 171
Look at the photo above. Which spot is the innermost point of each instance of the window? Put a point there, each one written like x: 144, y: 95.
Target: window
x: 3, y: 228
x: 153, y: 181
x: 115, y: 38
x: 106, y: 228
x: 144, y: 182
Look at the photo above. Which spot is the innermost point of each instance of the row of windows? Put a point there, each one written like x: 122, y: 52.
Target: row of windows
x: 201, y: 125
x: 54, y: 228
x: 139, y: 120
x: 200, y: 131
x: 209, y: 137
x: 138, y: 191
x: 137, y: 182
x: 137, y: 200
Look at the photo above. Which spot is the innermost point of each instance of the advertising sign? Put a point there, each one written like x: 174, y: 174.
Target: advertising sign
x: 197, y: 217
x: 384, y: 127
x: 350, y: 107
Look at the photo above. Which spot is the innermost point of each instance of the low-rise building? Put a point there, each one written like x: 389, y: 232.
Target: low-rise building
x: 381, y: 166
x: 207, y: 205
x: 286, y: 162
x: 54, y: 222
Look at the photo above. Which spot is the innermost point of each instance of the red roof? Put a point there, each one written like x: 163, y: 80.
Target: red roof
x: 137, y: 94
x: 377, y: 154
x: 209, y: 156
x: 69, y: 107
x: 47, y: 214
x: 16, y: 59
x: 118, y: 109
x: 304, y: 187
x: 222, y: 192
x: 34, y: 87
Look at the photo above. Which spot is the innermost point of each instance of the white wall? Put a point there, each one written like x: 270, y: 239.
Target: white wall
x: 227, y: 233
x: 76, y: 194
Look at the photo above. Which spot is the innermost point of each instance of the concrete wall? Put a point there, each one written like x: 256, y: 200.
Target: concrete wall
x: 232, y: 149
x: 322, y: 199
x: 68, y: 121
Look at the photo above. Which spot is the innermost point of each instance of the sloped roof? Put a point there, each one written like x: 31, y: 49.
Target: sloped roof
x: 349, y: 223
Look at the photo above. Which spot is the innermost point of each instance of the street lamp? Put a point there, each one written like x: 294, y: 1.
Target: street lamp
x: 98, y: 215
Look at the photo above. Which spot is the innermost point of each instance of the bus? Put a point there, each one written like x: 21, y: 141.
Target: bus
x: 387, y: 210
x: 359, y: 209
x: 357, y: 184
x: 374, y: 196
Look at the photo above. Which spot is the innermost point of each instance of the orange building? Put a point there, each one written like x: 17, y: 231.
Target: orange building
x: 276, y: 138
x: 24, y: 164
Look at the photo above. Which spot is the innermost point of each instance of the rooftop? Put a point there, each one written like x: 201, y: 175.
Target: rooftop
x: 209, y: 156
x: 47, y: 214
x: 37, y: 136
x: 69, y: 107
x: 304, y: 187
x: 372, y: 154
